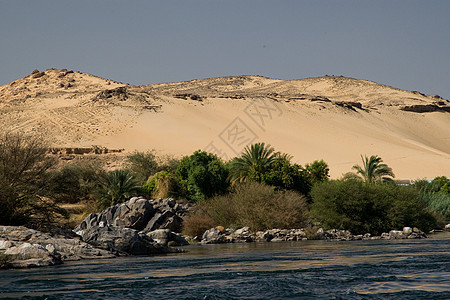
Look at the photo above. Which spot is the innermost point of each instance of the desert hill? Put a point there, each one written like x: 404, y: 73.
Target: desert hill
x: 331, y: 118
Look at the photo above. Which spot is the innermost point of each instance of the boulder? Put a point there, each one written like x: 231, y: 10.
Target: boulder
x: 214, y: 236
x: 166, y: 237
x: 138, y: 213
x: 31, y: 248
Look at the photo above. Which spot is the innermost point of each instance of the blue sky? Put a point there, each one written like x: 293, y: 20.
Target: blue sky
x: 405, y: 44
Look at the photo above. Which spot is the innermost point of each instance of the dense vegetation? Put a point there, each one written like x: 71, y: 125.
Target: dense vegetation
x: 261, y: 188
x: 24, y: 181
x: 362, y: 207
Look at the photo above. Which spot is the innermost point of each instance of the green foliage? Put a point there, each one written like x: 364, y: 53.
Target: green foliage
x: 24, y: 169
x: 142, y: 165
x: 162, y: 185
x: 373, y: 170
x: 253, y: 163
x: 118, y: 186
x: 202, y: 175
x: 438, y: 203
x: 318, y: 171
x: 374, y: 208
x: 76, y: 182
x: 257, y: 206
x: 145, y: 164
x: 284, y: 175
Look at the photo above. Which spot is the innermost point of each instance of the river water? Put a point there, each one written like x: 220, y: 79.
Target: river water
x: 401, y: 269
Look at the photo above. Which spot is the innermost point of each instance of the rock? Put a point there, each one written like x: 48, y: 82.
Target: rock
x: 140, y: 214
x: 122, y: 241
x: 395, y: 234
x: 37, y: 74
x: 32, y: 255
x: 166, y: 237
x: 221, y: 229
x: 214, y: 236
x: 424, y: 108
x: 29, y: 248
x: 407, y: 230
x: 129, y: 227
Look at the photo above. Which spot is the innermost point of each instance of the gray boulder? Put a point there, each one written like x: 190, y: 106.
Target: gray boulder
x: 166, y: 237
x: 129, y: 227
x: 26, y: 247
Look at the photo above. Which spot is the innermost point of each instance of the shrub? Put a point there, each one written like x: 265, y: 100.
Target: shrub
x: 196, y: 224
x: 203, y: 175
x: 437, y: 202
x: 318, y: 171
x: 161, y: 185
x: 24, y: 169
x: 284, y: 175
x: 142, y: 165
x: 257, y: 206
x: 76, y: 182
x: 119, y: 185
x: 375, y: 208
x: 145, y: 164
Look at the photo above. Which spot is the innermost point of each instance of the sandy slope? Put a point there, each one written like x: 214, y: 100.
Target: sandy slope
x: 302, y: 117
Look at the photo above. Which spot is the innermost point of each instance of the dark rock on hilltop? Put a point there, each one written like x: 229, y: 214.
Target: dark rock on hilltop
x: 426, y: 108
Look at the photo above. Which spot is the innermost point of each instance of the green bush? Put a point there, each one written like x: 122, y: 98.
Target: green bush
x: 142, y: 165
x: 318, y: 171
x: 162, y: 185
x: 24, y: 172
x: 284, y: 175
x: 438, y: 203
x: 118, y: 186
x: 202, y: 175
x: 375, y: 208
x: 76, y: 181
x: 257, y: 206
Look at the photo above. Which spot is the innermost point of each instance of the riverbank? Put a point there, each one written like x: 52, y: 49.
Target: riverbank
x: 312, y: 269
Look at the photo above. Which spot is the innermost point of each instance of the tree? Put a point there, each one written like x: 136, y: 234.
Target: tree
x: 374, y: 170
x: 119, y: 185
x: 253, y: 163
x: 286, y: 176
x: 142, y: 165
x: 24, y: 169
x: 368, y: 208
x: 202, y: 175
x: 318, y: 171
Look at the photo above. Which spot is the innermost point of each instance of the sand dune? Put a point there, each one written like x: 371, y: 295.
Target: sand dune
x: 332, y: 118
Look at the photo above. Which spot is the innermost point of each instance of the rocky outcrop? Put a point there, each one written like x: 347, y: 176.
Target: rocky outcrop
x: 424, y: 108
x: 24, y: 248
x: 215, y: 236
x: 349, y: 105
x: 137, y: 227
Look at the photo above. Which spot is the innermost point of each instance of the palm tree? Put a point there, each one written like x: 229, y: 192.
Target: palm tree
x: 254, y: 161
x: 374, y: 170
x: 119, y: 185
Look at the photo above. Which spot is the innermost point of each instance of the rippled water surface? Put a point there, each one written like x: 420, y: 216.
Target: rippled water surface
x: 404, y: 269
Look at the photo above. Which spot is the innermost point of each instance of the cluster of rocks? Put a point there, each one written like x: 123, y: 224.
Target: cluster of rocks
x: 424, y: 108
x: 137, y: 227
x: 220, y: 235
x: 120, y: 93
x: 22, y: 247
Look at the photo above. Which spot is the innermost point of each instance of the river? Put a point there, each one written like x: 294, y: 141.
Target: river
x: 379, y: 269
